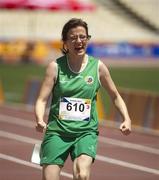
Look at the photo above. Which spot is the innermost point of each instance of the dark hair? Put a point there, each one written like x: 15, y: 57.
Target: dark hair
x: 72, y: 23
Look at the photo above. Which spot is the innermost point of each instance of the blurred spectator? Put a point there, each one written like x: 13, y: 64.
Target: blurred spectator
x: 40, y: 52
x: 11, y: 51
x: 1, y: 52
x: 26, y: 56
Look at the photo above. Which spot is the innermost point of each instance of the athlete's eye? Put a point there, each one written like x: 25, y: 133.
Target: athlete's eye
x: 82, y: 37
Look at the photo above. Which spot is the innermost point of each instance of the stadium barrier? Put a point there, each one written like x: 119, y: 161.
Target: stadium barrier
x: 1, y: 93
x: 143, y: 107
x: 31, y: 91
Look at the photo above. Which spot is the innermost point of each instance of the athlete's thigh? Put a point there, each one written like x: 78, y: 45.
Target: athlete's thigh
x: 51, y: 172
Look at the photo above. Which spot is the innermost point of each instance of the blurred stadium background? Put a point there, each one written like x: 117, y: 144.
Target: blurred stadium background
x: 125, y: 36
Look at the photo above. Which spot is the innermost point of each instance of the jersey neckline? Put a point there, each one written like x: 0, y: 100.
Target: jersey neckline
x: 82, y: 69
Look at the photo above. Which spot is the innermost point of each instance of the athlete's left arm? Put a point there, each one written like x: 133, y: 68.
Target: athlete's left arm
x: 109, y: 86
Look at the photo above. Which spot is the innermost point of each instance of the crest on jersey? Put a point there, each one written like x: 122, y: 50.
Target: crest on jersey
x: 89, y: 79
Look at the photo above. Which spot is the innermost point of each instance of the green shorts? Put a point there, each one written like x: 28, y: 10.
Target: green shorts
x: 55, y: 149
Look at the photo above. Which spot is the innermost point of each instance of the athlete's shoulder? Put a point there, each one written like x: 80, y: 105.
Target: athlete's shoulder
x: 52, y: 66
x: 103, y: 69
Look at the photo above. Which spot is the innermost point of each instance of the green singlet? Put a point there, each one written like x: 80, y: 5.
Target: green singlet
x: 73, y: 106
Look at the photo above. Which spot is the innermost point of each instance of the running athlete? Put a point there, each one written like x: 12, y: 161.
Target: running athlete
x: 72, y: 128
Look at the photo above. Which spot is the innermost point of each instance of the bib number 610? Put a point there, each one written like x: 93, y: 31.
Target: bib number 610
x: 75, y: 107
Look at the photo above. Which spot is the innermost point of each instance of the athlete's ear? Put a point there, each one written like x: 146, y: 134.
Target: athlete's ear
x: 64, y: 48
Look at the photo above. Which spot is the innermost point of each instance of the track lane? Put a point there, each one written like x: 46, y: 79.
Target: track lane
x: 105, y: 148
x: 100, y: 170
x: 32, y: 141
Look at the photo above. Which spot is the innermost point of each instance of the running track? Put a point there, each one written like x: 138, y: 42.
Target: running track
x: 133, y: 157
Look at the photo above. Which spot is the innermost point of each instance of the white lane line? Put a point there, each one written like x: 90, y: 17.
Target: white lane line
x: 128, y: 145
x: 98, y: 157
x: 19, y: 137
x: 29, y: 164
x: 128, y: 165
x: 16, y: 121
x: 138, y: 147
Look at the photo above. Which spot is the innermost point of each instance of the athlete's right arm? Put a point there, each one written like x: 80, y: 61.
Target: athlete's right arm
x: 45, y: 91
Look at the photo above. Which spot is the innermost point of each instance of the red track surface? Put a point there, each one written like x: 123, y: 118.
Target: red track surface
x: 133, y: 157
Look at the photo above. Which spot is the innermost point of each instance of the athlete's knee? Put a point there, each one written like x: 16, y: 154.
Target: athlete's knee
x: 82, y: 175
x: 82, y: 166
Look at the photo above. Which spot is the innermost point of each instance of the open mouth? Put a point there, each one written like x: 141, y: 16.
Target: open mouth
x: 79, y: 48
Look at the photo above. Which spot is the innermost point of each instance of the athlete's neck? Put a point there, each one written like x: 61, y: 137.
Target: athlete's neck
x: 77, y: 64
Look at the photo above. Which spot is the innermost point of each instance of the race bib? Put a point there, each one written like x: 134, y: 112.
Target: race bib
x: 75, y: 109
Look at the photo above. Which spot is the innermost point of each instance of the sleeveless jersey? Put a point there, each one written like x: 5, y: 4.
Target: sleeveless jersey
x: 73, y: 106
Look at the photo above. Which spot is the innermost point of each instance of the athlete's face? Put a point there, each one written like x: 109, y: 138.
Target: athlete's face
x: 77, y: 41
